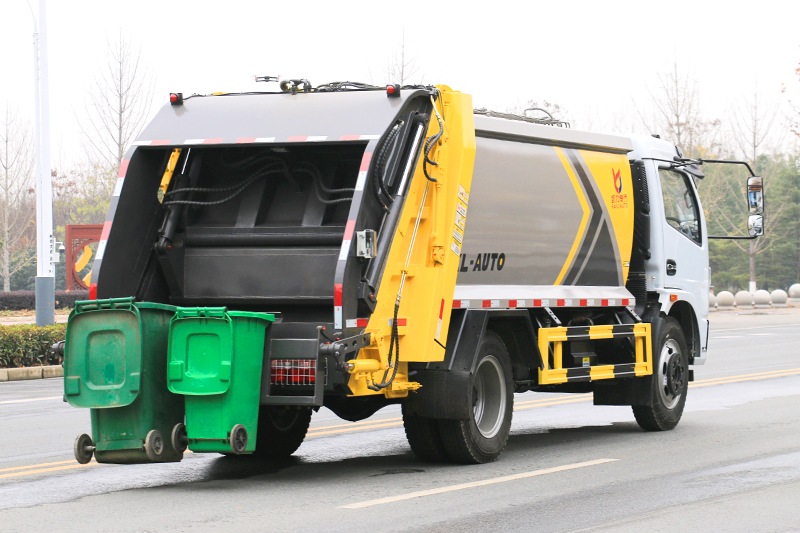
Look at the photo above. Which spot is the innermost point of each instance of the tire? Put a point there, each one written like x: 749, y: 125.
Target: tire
x: 669, y: 382
x: 84, y: 449
x: 281, y: 430
x: 483, y: 437
x: 154, y: 446
x: 179, y: 438
x: 424, y: 438
x: 238, y: 439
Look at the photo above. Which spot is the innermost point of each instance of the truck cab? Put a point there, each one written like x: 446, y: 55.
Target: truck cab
x: 677, y: 272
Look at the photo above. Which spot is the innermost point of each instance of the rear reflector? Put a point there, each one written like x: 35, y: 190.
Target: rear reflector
x: 293, y: 372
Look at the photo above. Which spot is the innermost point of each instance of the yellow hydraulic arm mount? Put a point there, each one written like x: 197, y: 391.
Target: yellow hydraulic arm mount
x: 422, y: 265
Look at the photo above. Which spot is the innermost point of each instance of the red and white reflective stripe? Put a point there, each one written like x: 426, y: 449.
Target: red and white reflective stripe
x: 118, y: 186
x: 101, y: 246
x: 123, y: 168
x: 252, y: 140
x: 306, y: 138
x: 337, y: 306
x: 348, y: 230
x: 441, y: 313
x: 362, y: 171
x: 359, y: 137
x: 357, y: 322
x: 400, y: 322
x: 552, y: 302
x: 160, y: 142
x: 203, y: 141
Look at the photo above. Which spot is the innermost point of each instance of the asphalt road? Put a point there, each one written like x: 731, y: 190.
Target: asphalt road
x: 733, y: 464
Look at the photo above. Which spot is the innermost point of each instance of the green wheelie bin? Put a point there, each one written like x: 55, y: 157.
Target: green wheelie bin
x: 215, y: 361
x: 115, y: 363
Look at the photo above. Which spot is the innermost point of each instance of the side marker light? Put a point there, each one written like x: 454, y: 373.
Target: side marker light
x: 176, y: 98
x: 392, y: 90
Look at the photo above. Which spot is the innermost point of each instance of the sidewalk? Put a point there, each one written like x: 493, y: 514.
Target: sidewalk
x: 11, y: 320
x: 31, y: 372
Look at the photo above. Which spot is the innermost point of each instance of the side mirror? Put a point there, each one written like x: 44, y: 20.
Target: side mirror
x: 755, y: 225
x: 755, y: 196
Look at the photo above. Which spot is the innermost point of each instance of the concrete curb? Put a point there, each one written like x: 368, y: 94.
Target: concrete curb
x: 31, y: 372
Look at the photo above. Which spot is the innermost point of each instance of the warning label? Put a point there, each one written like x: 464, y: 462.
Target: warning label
x: 456, y: 248
x: 463, y: 195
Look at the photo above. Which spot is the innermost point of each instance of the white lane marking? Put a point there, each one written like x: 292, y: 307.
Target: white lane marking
x: 462, y: 486
x: 755, y: 327
x: 33, y: 400
x: 727, y: 336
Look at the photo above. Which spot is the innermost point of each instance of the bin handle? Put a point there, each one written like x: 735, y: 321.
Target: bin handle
x: 205, y: 312
x: 111, y: 303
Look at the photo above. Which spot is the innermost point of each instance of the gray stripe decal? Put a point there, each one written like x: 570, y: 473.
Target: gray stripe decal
x: 593, y: 228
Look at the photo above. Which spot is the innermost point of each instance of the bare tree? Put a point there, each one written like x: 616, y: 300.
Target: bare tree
x: 753, y: 125
x: 756, y: 140
x: 17, y: 162
x: 400, y: 68
x: 119, y: 104
x: 677, y: 115
x: 794, y: 121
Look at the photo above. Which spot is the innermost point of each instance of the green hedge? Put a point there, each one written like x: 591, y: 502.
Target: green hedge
x: 29, y: 345
x: 20, y: 300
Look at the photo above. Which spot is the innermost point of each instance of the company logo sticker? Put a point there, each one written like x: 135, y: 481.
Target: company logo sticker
x: 618, y: 200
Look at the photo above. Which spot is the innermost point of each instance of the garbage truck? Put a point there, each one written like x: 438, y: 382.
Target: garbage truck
x: 393, y: 245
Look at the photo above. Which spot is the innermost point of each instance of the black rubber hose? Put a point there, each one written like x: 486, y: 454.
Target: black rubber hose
x: 429, y: 144
x: 378, y: 186
x: 394, y: 342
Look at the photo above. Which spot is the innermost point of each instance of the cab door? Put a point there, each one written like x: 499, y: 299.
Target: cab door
x: 685, y: 242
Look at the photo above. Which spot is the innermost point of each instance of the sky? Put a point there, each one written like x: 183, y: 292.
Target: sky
x: 596, y: 59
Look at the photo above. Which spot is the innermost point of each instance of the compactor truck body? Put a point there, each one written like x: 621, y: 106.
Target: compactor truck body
x: 415, y: 251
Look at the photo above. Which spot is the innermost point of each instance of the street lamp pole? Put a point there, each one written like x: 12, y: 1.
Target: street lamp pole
x: 45, y: 243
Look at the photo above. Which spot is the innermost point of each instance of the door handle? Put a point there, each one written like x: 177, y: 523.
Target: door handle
x: 672, y: 267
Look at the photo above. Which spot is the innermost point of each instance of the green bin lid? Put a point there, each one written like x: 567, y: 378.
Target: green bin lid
x: 103, y: 356
x: 200, y: 351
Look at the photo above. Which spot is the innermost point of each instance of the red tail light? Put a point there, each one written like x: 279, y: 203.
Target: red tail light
x: 293, y: 372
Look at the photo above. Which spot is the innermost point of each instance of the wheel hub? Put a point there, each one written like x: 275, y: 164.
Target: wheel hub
x: 671, y: 374
x: 489, y: 397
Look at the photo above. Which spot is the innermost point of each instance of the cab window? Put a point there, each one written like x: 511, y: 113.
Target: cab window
x: 680, y: 206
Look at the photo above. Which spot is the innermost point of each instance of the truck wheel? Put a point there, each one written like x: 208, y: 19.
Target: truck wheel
x: 84, y: 450
x: 154, y: 446
x: 669, y: 382
x: 424, y: 438
x: 483, y: 437
x: 281, y: 430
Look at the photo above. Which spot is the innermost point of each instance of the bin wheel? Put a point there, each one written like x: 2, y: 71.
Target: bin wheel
x: 154, y: 446
x: 238, y: 439
x: 84, y: 450
x: 180, y: 439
